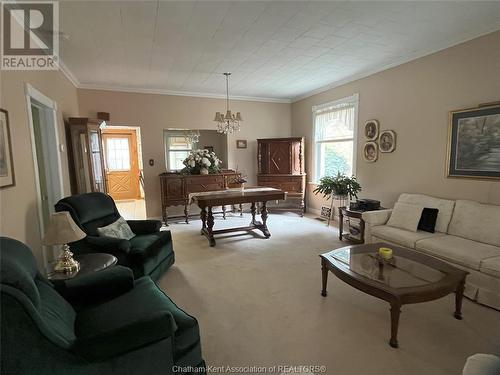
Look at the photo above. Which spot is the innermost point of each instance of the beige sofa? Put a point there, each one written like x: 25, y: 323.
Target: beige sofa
x: 467, y: 236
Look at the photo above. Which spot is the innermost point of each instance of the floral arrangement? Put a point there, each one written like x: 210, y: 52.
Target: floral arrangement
x: 201, y: 162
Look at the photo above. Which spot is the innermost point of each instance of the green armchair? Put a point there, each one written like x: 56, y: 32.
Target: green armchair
x: 102, y: 323
x: 149, y: 253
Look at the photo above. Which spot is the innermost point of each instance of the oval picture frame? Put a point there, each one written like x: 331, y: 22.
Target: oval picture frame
x: 370, y: 152
x: 371, y: 130
x: 387, y: 141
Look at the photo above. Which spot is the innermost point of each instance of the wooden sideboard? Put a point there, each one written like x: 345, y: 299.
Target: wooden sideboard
x: 281, y: 166
x: 175, y: 188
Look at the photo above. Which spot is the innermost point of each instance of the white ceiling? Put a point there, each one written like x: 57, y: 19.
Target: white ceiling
x: 274, y: 49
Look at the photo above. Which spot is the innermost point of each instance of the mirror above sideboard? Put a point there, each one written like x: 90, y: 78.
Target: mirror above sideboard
x: 178, y: 143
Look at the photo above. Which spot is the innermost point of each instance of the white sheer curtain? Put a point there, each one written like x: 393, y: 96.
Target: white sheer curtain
x: 334, y: 123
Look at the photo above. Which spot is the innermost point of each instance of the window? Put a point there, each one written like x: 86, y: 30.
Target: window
x: 334, y: 137
x: 177, y: 148
x: 118, y: 154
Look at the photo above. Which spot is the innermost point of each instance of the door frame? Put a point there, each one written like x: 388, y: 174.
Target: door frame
x: 110, y: 130
x: 33, y: 94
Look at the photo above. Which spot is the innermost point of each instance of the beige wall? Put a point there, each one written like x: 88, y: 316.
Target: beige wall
x: 19, y: 217
x: 414, y: 99
x: 153, y: 113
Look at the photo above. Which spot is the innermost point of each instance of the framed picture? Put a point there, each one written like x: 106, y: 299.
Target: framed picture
x: 370, y: 152
x: 241, y: 143
x: 371, y: 130
x: 209, y: 148
x: 6, y: 163
x: 474, y: 143
x: 387, y: 141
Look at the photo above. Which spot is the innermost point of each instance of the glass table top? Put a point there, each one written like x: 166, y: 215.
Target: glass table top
x: 398, y: 272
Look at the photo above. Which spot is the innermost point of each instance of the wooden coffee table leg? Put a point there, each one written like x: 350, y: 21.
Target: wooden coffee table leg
x: 263, y: 215
x: 459, y: 295
x: 395, y: 311
x: 324, y: 277
x: 210, y: 226
x: 203, y: 217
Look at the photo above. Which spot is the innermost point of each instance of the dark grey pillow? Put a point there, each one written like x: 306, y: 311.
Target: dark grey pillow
x: 428, y: 220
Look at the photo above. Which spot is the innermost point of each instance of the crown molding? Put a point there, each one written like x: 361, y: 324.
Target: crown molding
x: 85, y: 86
x: 67, y: 73
x: 381, y: 68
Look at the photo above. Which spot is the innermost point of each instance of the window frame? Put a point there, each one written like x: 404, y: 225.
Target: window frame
x: 354, y: 100
x: 167, y: 149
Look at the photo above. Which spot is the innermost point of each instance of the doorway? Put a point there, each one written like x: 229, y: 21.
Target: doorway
x: 42, y: 114
x: 123, y: 169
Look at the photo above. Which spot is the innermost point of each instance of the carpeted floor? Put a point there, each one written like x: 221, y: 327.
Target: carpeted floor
x: 258, y: 303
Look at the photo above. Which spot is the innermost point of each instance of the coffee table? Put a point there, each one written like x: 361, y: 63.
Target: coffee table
x: 409, y: 277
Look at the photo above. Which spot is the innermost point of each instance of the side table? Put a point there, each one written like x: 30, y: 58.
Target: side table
x: 92, y: 262
x: 344, y: 211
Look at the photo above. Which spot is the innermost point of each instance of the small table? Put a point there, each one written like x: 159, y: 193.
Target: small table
x: 409, y: 277
x: 89, y: 263
x: 207, y: 200
x: 356, y: 214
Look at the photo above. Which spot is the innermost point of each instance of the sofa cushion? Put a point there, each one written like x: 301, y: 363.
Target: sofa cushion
x: 444, y: 206
x: 134, y: 319
x: 400, y: 236
x: 405, y: 216
x: 476, y: 221
x: 491, y: 266
x: 458, y: 250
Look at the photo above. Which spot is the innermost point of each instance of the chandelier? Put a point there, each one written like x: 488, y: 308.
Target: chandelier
x: 192, y: 136
x: 230, y: 122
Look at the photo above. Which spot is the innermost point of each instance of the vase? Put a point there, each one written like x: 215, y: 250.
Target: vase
x: 203, y: 171
x: 242, y: 186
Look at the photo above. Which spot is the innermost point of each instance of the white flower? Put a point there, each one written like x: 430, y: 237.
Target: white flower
x: 206, y: 162
x: 192, y: 163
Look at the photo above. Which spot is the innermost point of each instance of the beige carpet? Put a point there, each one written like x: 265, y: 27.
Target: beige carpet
x: 258, y: 303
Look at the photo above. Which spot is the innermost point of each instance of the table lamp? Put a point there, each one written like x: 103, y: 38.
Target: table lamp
x: 61, y: 230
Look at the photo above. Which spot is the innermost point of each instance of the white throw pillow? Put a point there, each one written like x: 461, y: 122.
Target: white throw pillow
x: 118, y: 229
x: 405, y: 216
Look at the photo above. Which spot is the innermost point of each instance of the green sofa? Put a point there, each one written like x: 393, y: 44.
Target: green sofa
x: 106, y: 323
x: 149, y: 253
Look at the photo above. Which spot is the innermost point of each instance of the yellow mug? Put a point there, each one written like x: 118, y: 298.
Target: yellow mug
x: 385, y: 252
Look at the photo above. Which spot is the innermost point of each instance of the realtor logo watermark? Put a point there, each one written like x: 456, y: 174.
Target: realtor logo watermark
x: 30, y: 35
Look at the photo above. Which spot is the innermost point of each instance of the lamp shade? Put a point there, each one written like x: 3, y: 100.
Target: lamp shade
x: 62, y: 230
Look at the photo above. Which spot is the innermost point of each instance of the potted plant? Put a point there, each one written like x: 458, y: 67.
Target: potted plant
x: 201, y: 162
x: 340, y: 187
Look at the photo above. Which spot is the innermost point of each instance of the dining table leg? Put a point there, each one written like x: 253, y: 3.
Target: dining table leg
x: 203, y: 217
x: 210, y: 226
x: 263, y: 215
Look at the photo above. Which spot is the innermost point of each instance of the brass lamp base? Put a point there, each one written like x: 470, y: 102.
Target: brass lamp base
x: 65, y: 263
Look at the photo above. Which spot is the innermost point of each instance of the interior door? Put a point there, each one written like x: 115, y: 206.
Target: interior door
x: 122, y: 164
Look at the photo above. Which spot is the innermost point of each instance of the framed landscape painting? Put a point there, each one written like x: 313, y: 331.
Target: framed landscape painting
x: 6, y: 165
x: 474, y: 143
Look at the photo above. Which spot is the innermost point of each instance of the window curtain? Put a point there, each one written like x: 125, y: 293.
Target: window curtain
x: 334, y: 123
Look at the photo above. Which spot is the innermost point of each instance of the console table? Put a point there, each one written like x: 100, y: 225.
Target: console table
x: 175, y: 189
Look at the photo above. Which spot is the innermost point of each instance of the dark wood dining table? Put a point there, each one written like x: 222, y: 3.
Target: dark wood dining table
x: 209, y: 199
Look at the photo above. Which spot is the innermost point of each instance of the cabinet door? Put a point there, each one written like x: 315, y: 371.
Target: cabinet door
x: 173, y: 187
x: 280, y: 157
